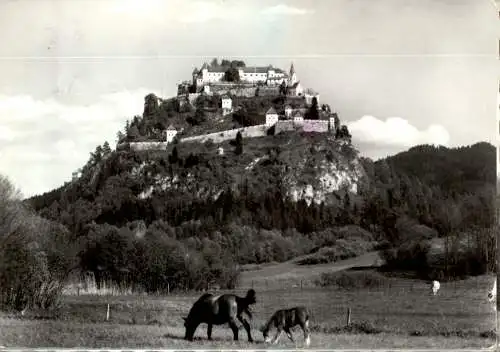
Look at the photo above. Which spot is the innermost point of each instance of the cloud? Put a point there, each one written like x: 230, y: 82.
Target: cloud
x: 282, y: 9
x: 396, y: 132
x: 203, y: 11
x: 44, y: 141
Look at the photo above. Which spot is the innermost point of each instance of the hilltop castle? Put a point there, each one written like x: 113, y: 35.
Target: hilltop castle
x: 232, y: 79
x: 243, y: 81
x: 265, y: 75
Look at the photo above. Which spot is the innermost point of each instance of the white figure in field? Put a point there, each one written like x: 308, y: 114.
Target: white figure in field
x: 492, y: 295
x: 435, y: 287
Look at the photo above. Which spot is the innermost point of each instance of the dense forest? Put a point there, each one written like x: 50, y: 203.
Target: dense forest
x: 97, y: 223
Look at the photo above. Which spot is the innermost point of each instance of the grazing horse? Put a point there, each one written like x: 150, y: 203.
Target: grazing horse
x: 435, y: 287
x: 284, y: 320
x: 492, y: 294
x: 218, y: 310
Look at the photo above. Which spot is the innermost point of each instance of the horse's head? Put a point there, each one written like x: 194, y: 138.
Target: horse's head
x: 190, y: 328
x: 265, y: 333
x: 250, y: 297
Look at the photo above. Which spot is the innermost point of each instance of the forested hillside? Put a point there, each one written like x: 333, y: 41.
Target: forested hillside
x: 188, y: 216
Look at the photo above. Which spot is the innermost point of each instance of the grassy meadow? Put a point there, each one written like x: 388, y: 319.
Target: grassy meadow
x: 395, y: 313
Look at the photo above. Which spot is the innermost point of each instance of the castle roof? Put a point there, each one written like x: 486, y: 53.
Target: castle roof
x: 225, y: 96
x: 171, y: 128
x: 275, y: 78
x: 288, y: 107
x: 295, y: 85
x: 271, y: 111
x: 292, y: 69
x: 255, y: 69
x: 298, y: 113
x: 195, y: 71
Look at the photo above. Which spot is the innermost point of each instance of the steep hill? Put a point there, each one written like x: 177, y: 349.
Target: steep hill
x: 310, y: 167
x: 192, y: 210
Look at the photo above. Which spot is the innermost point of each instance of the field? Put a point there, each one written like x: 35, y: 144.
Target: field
x: 399, y: 314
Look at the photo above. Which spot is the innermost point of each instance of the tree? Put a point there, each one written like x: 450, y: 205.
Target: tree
x: 151, y: 107
x: 313, y: 113
x: 106, y: 149
x: 214, y: 62
x: 119, y: 137
x: 336, y: 122
x: 232, y: 75
x: 35, y: 253
x: 174, y: 157
x: 199, y: 117
x: 239, y: 143
x: 283, y: 88
x: 237, y: 63
x: 343, y: 133
x: 133, y: 133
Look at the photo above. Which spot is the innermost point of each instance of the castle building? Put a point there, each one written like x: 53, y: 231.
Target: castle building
x: 171, y: 132
x: 298, y: 118
x: 268, y: 75
x: 271, y: 117
x: 227, y: 104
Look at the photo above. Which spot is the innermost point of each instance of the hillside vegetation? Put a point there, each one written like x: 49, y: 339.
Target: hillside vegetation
x: 187, y: 217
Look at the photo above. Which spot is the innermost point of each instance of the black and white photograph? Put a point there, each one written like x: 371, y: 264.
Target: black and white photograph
x: 249, y: 174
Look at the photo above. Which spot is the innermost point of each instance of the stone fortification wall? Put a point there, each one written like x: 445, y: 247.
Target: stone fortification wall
x: 315, y: 126
x: 217, y: 137
x: 240, y: 90
x: 148, y: 145
x: 284, y: 126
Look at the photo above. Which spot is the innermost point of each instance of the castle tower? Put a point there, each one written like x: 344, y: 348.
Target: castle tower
x: 292, y: 77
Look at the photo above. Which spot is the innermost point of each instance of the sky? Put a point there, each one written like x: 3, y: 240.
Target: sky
x: 398, y: 72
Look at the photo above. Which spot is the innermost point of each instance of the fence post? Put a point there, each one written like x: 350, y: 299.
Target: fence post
x: 348, y: 320
x: 168, y: 288
x: 107, y: 313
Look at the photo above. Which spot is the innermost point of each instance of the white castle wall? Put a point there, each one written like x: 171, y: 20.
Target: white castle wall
x: 148, y: 145
x: 217, y: 137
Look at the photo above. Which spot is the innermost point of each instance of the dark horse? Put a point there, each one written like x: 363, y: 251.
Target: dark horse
x: 218, y: 310
x: 284, y: 320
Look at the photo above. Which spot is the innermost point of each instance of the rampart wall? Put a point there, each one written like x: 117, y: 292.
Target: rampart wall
x: 217, y: 137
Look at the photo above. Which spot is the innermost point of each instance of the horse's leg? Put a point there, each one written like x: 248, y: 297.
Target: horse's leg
x: 234, y: 327
x: 247, y: 327
x: 209, y: 331
x: 278, y: 335
x: 289, y: 334
x: 307, y: 333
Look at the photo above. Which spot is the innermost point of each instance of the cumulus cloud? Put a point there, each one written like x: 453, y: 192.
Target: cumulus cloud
x: 44, y: 141
x: 396, y: 132
x: 283, y: 9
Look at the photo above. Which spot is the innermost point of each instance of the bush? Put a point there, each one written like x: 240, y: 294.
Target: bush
x: 340, y: 249
x: 350, y: 280
x: 409, y: 256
